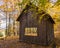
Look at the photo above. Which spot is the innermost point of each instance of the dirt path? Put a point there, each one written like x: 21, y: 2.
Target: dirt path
x: 13, y: 42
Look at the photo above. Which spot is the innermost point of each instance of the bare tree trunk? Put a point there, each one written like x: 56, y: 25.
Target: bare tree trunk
x: 9, y: 28
x: 14, y: 27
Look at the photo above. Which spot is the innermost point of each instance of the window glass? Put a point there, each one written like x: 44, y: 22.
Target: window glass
x: 31, y: 31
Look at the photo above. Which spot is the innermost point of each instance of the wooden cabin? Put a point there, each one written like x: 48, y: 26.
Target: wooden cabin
x: 35, y: 27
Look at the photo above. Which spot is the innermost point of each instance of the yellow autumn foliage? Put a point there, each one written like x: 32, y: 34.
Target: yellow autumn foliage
x: 12, y: 5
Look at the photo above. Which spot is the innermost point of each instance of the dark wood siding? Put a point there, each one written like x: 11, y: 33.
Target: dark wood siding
x: 22, y: 26
x: 42, y: 31
x: 50, y: 32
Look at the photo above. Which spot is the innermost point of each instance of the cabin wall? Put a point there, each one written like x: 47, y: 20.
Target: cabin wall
x: 44, y: 29
x: 50, y: 32
x: 22, y: 26
x: 31, y: 22
x: 42, y: 32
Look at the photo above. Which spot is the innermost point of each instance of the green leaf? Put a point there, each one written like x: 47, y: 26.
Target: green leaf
x: 42, y: 2
x: 58, y: 2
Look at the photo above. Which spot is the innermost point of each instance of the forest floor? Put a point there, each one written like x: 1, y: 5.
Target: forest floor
x: 13, y: 42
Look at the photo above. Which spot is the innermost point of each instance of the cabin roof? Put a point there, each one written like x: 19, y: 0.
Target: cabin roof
x: 26, y: 8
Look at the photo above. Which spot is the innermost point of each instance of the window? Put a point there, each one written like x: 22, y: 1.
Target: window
x: 31, y: 31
